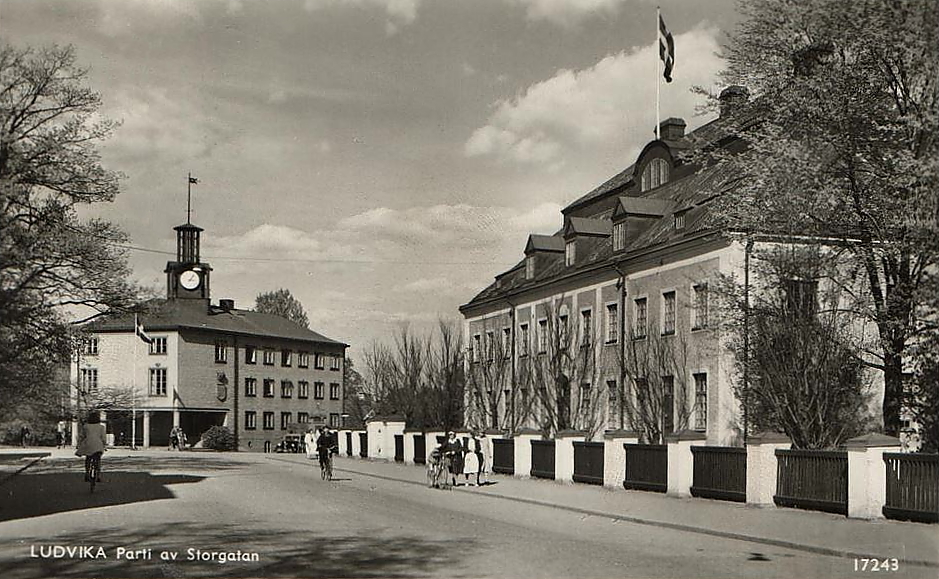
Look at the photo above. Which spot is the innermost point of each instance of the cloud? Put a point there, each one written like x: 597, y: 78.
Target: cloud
x: 129, y: 16
x: 400, y: 12
x: 568, y: 12
x: 583, y: 109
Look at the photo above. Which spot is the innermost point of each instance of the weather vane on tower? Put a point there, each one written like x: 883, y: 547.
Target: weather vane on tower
x: 192, y: 180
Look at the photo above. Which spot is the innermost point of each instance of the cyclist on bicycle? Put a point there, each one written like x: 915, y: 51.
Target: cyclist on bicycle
x: 325, y: 445
x: 92, y: 442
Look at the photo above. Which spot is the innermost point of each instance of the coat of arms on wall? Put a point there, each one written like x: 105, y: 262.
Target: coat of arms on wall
x: 221, y: 389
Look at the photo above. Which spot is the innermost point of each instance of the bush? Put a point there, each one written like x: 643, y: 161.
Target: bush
x: 218, y: 438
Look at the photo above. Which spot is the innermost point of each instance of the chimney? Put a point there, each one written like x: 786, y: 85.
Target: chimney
x: 672, y: 129
x: 732, y: 99
x: 227, y: 305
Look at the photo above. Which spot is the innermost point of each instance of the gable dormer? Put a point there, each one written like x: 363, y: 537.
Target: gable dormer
x: 540, y: 251
x: 581, y: 237
x: 632, y: 216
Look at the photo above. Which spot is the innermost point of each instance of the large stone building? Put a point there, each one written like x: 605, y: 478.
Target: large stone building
x: 205, y: 364
x: 609, y: 322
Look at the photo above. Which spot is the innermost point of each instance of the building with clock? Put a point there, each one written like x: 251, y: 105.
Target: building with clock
x: 191, y: 363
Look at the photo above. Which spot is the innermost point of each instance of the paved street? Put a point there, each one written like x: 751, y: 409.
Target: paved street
x: 376, y: 520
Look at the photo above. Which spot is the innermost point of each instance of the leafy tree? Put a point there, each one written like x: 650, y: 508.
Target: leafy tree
x: 282, y: 303
x: 846, y: 149
x: 54, y: 265
x: 355, y: 402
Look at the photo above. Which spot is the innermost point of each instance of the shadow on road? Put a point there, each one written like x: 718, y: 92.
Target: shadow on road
x: 280, y: 553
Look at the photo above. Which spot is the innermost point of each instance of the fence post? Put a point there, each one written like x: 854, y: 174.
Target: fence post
x: 522, y: 448
x: 357, y: 443
x: 614, y: 456
x: 867, y: 474
x: 564, y: 454
x: 409, y: 434
x: 393, y: 425
x: 341, y: 435
x: 681, y: 461
x: 486, y: 447
x: 761, y: 467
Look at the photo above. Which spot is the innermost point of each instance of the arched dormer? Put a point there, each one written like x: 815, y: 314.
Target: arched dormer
x: 655, y: 173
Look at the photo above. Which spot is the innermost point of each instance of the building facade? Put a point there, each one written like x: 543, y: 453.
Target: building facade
x: 190, y: 363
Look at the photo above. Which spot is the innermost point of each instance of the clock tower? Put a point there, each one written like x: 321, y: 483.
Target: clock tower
x: 187, y: 277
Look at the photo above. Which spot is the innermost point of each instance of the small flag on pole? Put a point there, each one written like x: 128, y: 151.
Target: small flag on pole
x: 138, y: 329
x: 193, y: 180
x: 666, y: 49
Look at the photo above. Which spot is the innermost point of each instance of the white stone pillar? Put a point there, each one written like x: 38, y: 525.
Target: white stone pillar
x: 614, y: 456
x: 564, y: 454
x: 430, y: 442
x: 356, y: 443
x: 522, y: 449
x: 867, y: 474
x: 146, y: 428
x: 488, y: 448
x: 394, y: 426
x: 681, y: 461
x: 375, y: 428
x: 342, y: 442
x: 409, y: 434
x: 761, y: 467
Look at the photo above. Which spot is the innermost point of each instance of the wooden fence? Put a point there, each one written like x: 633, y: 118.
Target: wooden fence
x: 912, y: 487
x: 588, y: 462
x: 720, y: 472
x: 542, y: 458
x: 348, y: 444
x: 503, y: 455
x: 399, y: 448
x: 812, y: 479
x: 646, y: 467
x: 363, y: 444
x: 420, y: 449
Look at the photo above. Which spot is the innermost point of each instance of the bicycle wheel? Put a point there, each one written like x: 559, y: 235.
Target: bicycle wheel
x: 329, y: 470
x: 93, y: 473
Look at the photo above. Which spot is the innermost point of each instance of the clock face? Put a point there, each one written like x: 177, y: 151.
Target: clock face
x: 189, y: 279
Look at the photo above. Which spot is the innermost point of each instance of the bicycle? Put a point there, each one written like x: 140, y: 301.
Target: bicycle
x: 93, y: 470
x: 326, y: 465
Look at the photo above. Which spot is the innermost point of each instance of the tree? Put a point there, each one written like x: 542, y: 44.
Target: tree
x: 488, y: 379
x: 845, y: 151
x: 282, y: 303
x: 54, y: 265
x: 355, y: 402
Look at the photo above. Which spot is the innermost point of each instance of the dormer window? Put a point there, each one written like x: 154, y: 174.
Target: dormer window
x: 619, y: 236
x: 655, y: 174
x: 530, y: 267
x: 570, y: 252
x: 679, y: 221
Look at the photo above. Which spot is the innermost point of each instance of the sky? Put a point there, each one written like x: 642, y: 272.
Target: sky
x: 381, y: 159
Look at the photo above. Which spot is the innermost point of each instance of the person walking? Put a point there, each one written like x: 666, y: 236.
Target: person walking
x: 485, y: 460
x: 310, y: 443
x: 471, y: 459
x: 174, y: 438
x: 24, y: 436
x: 454, y: 449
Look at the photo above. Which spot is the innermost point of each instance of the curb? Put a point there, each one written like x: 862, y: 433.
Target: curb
x: 831, y: 552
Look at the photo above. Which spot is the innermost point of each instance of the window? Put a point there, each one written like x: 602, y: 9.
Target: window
x: 286, y: 389
x: 655, y: 174
x: 563, y: 328
x: 268, y: 388
x: 506, y: 343
x: 529, y: 267
x: 612, y: 323
x: 612, y: 407
x: 268, y: 357
x: 668, y: 404
x: 542, y: 336
x: 619, y: 236
x: 700, y: 401
x: 318, y: 391
x: 800, y: 297
x: 90, y: 346
x: 586, y: 326
x: 524, y: 392
x: 158, y: 345
x: 523, y: 339
x: 251, y: 386
x: 303, y: 389
x: 335, y: 363
x: 334, y: 420
x: 699, y: 312
x: 641, y: 318
x: 570, y: 253
x: 303, y: 360
x: 267, y: 445
x: 286, y: 358
x: 334, y: 391
x: 303, y: 417
x: 221, y: 351
x: 251, y: 420
x: 668, y: 313
x: 251, y: 355
x: 489, y: 346
x: 157, y: 381
x: 476, y: 347
x: 89, y: 379
x: 268, y: 421
x: 680, y: 221
x: 284, y: 420
x: 318, y: 361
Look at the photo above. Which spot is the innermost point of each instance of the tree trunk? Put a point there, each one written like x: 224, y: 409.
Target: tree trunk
x: 893, y: 390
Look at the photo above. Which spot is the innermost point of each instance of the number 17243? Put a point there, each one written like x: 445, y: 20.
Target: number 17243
x: 874, y: 565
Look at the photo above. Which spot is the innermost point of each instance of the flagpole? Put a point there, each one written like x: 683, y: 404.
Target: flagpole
x: 188, y: 198
x: 656, y: 52
x: 133, y: 412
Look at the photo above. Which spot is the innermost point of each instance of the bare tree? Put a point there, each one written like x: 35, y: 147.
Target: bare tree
x: 489, y: 378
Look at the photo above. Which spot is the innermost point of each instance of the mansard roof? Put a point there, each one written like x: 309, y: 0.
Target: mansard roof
x: 181, y: 314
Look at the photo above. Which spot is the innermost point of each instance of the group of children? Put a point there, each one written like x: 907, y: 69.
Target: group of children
x: 450, y: 459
